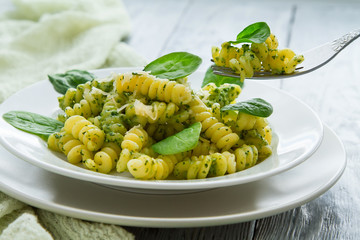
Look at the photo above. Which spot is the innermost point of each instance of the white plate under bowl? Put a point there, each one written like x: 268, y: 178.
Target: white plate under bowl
x: 298, y: 128
x: 245, y: 202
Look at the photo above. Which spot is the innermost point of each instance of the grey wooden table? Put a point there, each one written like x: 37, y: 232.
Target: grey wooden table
x: 160, y: 27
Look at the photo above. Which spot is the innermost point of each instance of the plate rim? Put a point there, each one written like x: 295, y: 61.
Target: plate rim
x: 183, y: 222
x: 163, y: 185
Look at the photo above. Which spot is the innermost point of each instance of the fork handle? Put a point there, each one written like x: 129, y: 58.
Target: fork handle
x: 340, y: 43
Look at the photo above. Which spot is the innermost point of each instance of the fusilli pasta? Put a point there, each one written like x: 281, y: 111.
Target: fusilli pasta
x: 90, y: 106
x: 145, y: 167
x: 247, y: 59
x: 246, y: 156
x: 135, y: 139
x: 238, y: 121
x: 105, y: 159
x: 112, y: 123
x: 157, y: 112
x: 216, y: 164
x: 214, y: 130
x: 154, y: 88
x: 90, y: 135
x: 74, y: 149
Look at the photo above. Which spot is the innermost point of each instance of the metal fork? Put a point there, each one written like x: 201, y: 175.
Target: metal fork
x: 314, y: 59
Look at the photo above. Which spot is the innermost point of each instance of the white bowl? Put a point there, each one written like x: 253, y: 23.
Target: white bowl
x: 298, y: 129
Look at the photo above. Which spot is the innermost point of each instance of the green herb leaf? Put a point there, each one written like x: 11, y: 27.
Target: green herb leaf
x: 174, y: 65
x: 70, y: 79
x: 33, y: 123
x: 218, y: 80
x: 254, y: 33
x: 182, y: 141
x: 256, y: 107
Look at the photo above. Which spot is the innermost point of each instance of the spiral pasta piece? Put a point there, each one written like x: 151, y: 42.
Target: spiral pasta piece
x: 222, y: 95
x: 162, y: 131
x: 261, y: 51
x: 124, y: 158
x: 181, y: 117
x: 263, y: 128
x: 82, y: 108
x: 157, y: 112
x: 135, y: 139
x: 266, y: 133
x: 105, y: 159
x: 231, y: 162
x: 204, y: 147
x: 177, y: 122
x: 73, y: 95
x: 283, y: 61
x: 239, y: 121
x: 91, y: 105
x: 214, y: 130
x: 111, y: 121
x: 246, y: 156
x: 216, y: 164
x: 74, y: 149
x: 90, y: 135
x: 255, y: 138
x: 145, y: 167
x: 126, y: 155
x: 134, y: 119
x: 105, y: 84
x: 223, y: 55
x: 154, y: 88
x: 241, y: 60
x: 246, y: 64
x: 272, y: 42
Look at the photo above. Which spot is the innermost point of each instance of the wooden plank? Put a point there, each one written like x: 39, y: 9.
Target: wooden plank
x: 153, y: 24
x: 5, y: 5
x: 336, y: 20
x: 226, y: 232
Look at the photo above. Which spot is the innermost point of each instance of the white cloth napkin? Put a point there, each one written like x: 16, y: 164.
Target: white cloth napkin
x: 40, y: 37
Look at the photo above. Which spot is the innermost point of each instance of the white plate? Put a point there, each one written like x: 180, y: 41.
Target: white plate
x: 245, y: 202
x: 299, y: 129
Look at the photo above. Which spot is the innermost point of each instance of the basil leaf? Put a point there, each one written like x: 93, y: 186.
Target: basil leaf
x: 218, y: 80
x: 254, y: 33
x: 174, y: 65
x: 256, y: 107
x: 182, y: 141
x: 33, y: 123
x: 70, y: 79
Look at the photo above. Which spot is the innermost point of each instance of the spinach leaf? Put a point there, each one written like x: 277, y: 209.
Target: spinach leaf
x: 174, y: 65
x: 210, y: 77
x: 33, y: 123
x: 70, y: 79
x: 254, y: 33
x: 182, y: 141
x: 256, y: 107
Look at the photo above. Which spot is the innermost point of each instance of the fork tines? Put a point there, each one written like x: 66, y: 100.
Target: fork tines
x: 228, y: 72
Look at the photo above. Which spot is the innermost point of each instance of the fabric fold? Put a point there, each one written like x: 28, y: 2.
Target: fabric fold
x: 38, y: 38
